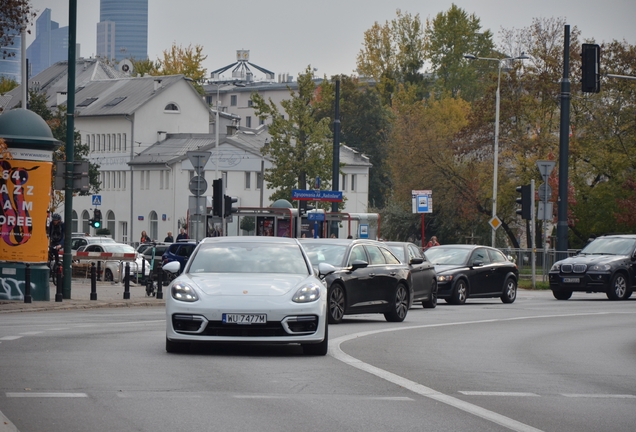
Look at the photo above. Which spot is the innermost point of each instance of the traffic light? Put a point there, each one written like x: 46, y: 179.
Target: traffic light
x: 590, y: 68
x: 217, y: 197
x: 96, y: 222
x: 229, y: 200
x: 526, y: 202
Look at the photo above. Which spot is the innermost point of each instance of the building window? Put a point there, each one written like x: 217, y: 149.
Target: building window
x: 124, y: 141
x: 141, y: 180
x: 250, y: 103
x: 343, y: 187
x: 248, y: 180
x: 167, y: 179
x: 153, y: 225
x: 108, y: 147
x: 92, y: 142
x: 118, y: 142
x: 171, y: 107
x: 248, y: 121
x: 259, y: 181
x: 233, y: 100
x: 103, y: 142
x: 261, y: 121
x: 353, y: 182
x: 99, y: 143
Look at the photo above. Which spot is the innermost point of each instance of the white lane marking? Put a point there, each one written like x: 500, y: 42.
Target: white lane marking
x: 330, y: 397
x: 336, y: 352
x: 490, y: 393
x: 59, y: 329
x: 592, y: 395
x: 8, y: 338
x: 31, y: 333
x: 46, y: 395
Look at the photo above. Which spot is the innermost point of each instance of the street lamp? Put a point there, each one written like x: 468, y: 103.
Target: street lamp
x: 523, y: 56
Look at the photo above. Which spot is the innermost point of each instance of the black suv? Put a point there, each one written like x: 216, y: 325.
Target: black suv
x: 607, y: 264
x: 179, y: 251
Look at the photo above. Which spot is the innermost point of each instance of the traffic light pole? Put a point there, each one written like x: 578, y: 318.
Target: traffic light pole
x: 564, y: 144
x: 532, y: 234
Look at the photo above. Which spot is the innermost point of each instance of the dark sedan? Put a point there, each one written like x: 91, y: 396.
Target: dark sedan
x: 422, y: 272
x: 367, y: 278
x: 607, y: 264
x: 473, y: 271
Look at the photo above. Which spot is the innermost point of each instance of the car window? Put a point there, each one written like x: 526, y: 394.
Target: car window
x: 440, y: 255
x: 92, y: 248
x: 415, y: 252
x: 480, y: 254
x: 389, y: 257
x: 375, y: 255
x: 185, y: 250
x: 249, y: 258
x: 496, y: 256
x: 399, y: 252
x: 328, y: 253
x: 357, y: 253
x: 77, y: 243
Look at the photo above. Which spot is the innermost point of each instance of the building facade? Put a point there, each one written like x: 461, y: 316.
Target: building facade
x: 50, y: 45
x: 10, y: 65
x: 122, y: 31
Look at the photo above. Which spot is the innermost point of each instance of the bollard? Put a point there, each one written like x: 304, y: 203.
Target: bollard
x: 99, y: 271
x: 159, y: 283
x: 56, y: 277
x: 143, y: 270
x: 93, y: 282
x: 27, y: 284
x: 127, y: 282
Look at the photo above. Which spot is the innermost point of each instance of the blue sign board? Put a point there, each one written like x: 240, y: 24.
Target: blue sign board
x: 422, y: 201
x: 316, y: 216
x: 97, y: 200
x: 316, y: 195
x: 364, y: 231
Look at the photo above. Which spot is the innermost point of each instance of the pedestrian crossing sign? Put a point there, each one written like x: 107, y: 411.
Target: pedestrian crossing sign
x: 97, y: 200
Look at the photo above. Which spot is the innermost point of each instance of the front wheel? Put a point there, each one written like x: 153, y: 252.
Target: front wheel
x: 431, y: 301
x: 562, y: 294
x: 108, y: 275
x: 510, y: 291
x: 618, y: 288
x: 337, y: 303
x: 460, y: 293
x: 400, y: 305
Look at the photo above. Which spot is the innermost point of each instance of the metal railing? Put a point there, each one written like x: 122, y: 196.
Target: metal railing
x: 523, y: 259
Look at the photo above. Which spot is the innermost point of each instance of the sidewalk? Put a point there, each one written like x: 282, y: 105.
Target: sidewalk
x: 109, y: 295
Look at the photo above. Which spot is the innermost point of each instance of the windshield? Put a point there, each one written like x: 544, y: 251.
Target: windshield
x: 323, y: 252
x: 447, y: 256
x: 119, y: 248
x: 610, y: 246
x: 249, y: 258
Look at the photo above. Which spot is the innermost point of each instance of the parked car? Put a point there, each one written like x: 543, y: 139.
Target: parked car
x: 179, y: 251
x: 422, y: 272
x: 607, y: 264
x: 475, y: 271
x: 367, y: 278
x: 77, y: 241
x: 250, y: 290
x: 114, y: 269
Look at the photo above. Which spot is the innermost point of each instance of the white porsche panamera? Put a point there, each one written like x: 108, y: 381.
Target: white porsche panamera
x: 260, y: 290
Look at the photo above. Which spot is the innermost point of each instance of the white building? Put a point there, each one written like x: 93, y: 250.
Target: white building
x: 139, y: 130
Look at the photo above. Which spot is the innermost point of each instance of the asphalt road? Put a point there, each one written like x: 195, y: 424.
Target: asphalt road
x: 538, y: 364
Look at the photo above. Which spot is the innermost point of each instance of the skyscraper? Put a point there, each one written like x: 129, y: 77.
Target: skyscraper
x: 50, y: 45
x: 10, y: 66
x: 123, y: 29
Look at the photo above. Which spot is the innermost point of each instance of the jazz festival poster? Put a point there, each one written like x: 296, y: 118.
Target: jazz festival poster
x: 25, y: 193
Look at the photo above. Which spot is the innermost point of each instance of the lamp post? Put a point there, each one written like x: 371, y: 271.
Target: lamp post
x: 496, y: 149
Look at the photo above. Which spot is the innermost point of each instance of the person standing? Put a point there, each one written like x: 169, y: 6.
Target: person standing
x: 432, y: 242
x: 144, y: 238
x: 182, y: 235
x: 169, y: 238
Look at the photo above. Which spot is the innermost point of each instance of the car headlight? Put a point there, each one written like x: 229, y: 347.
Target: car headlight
x: 183, y: 292
x: 556, y: 267
x: 600, y: 267
x: 442, y: 278
x: 307, y: 294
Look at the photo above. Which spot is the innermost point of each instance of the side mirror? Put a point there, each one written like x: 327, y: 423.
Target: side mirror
x: 478, y: 263
x: 416, y: 260
x: 356, y: 264
x: 324, y: 269
x: 172, y: 267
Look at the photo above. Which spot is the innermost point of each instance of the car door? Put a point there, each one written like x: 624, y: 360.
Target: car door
x: 481, y: 272
x: 422, y: 274
x: 383, y: 275
x: 359, y: 281
x: 501, y: 268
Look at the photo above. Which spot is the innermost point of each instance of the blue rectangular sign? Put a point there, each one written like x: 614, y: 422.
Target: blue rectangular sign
x: 316, y: 216
x: 316, y: 195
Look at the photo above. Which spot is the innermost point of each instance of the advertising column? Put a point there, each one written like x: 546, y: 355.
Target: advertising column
x: 25, y: 194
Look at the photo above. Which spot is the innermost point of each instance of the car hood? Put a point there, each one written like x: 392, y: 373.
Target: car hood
x: 248, y: 284
x: 593, y: 259
x: 448, y: 268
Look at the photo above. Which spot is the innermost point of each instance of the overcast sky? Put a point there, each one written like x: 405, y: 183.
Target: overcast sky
x: 286, y: 36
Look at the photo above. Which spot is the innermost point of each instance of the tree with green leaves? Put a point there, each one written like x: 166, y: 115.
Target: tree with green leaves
x: 16, y: 15
x: 301, y: 146
x: 393, y: 54
x: 449, y: 37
